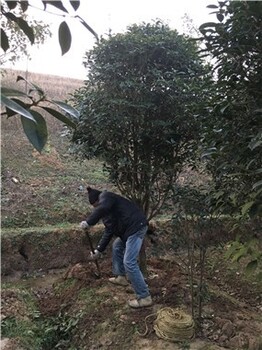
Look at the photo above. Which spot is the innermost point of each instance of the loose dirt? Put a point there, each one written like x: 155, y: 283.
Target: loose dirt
x: 231, y: 310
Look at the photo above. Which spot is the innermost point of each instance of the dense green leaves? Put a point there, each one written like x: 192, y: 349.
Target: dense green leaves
x: 139, y: 109
x: 250, y: 251
x: 234, y: 131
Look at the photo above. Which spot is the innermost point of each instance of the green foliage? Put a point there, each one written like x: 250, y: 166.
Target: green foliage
x: 232, y: 135
x: 22, y: 330
x: 50, y: 333
x: 34, y: 124
x: 57, y: 332
x: 22, y: 327
x: 51, y: 188
x: 250, y: 251
x: 139, y: 109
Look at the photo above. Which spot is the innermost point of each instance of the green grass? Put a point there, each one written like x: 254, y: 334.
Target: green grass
x: 35, y: 331
x: 48, y: 188
x: 42, y: 333
x: 23, y: 327
x: 23, y: 331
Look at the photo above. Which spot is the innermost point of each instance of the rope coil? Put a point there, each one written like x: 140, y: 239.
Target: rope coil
x: 174, y: 325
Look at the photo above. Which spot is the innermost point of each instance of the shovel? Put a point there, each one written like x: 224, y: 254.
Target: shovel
x: 98, y: 273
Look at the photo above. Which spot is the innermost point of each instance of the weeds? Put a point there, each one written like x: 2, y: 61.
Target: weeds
x: 58, y: 332
x: 43, y: 334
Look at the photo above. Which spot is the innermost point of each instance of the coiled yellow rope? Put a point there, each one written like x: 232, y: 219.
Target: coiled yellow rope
x: 174, y: 325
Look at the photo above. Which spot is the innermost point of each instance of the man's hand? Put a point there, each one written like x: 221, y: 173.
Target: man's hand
x: 84, y: 224
x: 96, y: 255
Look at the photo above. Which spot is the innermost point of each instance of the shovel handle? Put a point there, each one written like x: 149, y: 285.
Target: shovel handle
x: 90, y: 241
x: 92, y: 249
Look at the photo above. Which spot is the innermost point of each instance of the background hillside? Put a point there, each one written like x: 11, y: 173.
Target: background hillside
x: 42, y: 189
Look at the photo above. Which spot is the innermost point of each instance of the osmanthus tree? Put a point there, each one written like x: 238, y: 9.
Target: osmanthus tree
x: 233, y: 134
x: 139, y: 109
x: 29, y: 106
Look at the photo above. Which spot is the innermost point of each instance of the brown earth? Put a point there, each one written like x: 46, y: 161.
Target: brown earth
x: 231, y: 310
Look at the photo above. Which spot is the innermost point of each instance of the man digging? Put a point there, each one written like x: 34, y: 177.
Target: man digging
x: 125, y: 220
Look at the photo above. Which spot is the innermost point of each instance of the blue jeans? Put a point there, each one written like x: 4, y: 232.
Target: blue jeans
x: 125, y: 262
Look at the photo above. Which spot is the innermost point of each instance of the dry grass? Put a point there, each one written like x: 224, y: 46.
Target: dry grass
x: 56, y: 86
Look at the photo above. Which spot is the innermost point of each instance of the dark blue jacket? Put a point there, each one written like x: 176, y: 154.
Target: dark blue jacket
x: 120, y: 216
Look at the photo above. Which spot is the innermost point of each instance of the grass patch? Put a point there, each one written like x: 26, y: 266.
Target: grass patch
x: 38, y: 230
x: 47, y: 188
x: 23, y: 331
x: 20, y: 315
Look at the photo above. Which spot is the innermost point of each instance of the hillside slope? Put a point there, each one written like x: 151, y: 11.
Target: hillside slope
x: 70, y: 309
x: 40, y: 189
